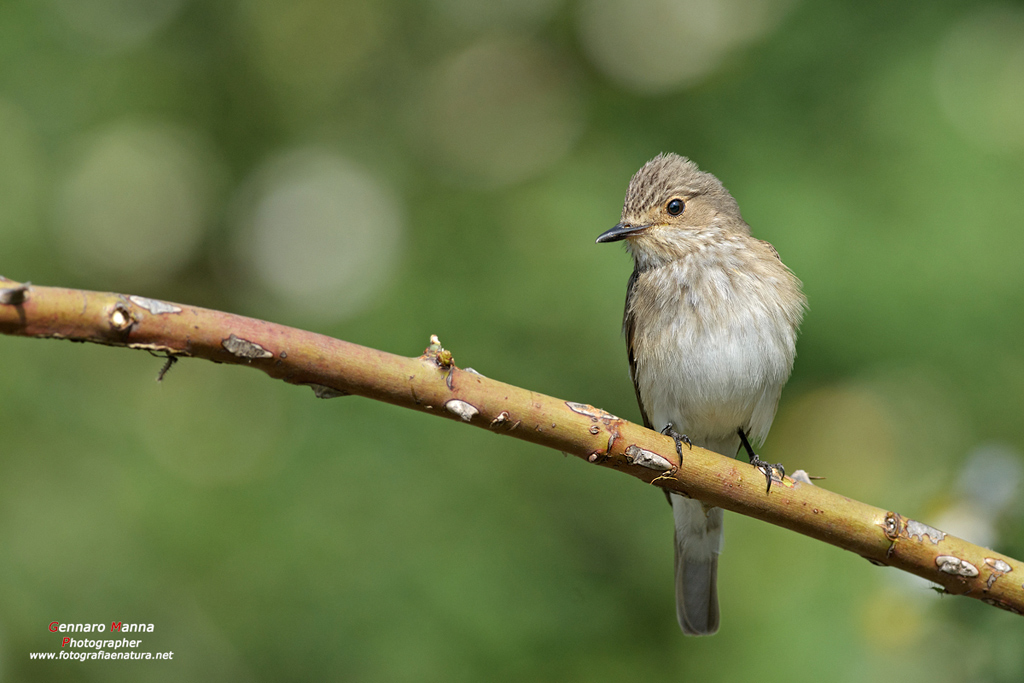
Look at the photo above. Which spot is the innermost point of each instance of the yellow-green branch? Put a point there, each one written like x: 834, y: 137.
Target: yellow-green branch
x: 432, y: 383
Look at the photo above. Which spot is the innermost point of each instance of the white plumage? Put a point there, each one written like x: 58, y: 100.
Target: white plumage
x: 711, y: 322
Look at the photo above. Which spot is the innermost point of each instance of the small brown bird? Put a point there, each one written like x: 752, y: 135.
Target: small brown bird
x: 711, y: 323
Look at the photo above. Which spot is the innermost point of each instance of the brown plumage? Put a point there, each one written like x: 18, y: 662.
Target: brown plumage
x: 710, y: 322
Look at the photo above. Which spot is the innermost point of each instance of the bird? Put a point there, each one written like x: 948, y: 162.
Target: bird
x: 711, y: 322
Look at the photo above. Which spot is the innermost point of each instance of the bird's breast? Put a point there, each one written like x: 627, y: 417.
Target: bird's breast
x: 712, y: 345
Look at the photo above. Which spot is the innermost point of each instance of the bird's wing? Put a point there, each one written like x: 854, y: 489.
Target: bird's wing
x: 772, y: 249
x: 628, y: 324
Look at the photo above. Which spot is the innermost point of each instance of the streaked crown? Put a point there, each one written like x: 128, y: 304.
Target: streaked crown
x: 670, y: 175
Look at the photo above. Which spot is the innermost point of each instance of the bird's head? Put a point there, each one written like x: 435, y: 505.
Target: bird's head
x: 670, y: 200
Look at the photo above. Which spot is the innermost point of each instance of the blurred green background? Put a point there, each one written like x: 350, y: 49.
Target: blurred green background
x: 383, y: 170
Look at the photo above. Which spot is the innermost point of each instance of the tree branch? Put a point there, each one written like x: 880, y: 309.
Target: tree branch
x: 432, y: 383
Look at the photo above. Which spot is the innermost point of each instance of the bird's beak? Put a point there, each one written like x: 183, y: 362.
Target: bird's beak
x: 621, y: 232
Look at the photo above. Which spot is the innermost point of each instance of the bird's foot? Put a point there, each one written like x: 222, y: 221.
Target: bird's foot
x: 680, y: 439
x: 769, y: 470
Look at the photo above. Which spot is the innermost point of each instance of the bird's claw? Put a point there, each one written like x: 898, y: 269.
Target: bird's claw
x: 768, y: 470
x: 680, y: 439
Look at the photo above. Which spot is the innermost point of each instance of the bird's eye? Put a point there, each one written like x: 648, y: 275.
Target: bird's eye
x: 675, y: 207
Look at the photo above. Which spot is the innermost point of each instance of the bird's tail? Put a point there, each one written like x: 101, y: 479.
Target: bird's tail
x: 698, y: 542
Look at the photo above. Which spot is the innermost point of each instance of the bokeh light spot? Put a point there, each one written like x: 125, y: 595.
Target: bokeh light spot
x: 497, y: 13
x: 118, y: 23
x: 991, y: 476
x: 319, y: 233
x: 500, y: 112
x: 654, y: 46
x: 135, y: 202
x: 307, y: 45
x: 979, y: 77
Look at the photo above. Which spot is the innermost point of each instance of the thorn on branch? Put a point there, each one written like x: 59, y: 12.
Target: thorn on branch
x: 804, y: 478
x: 503, y: 419
x: 324, y: 391
x: 171, y: 360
